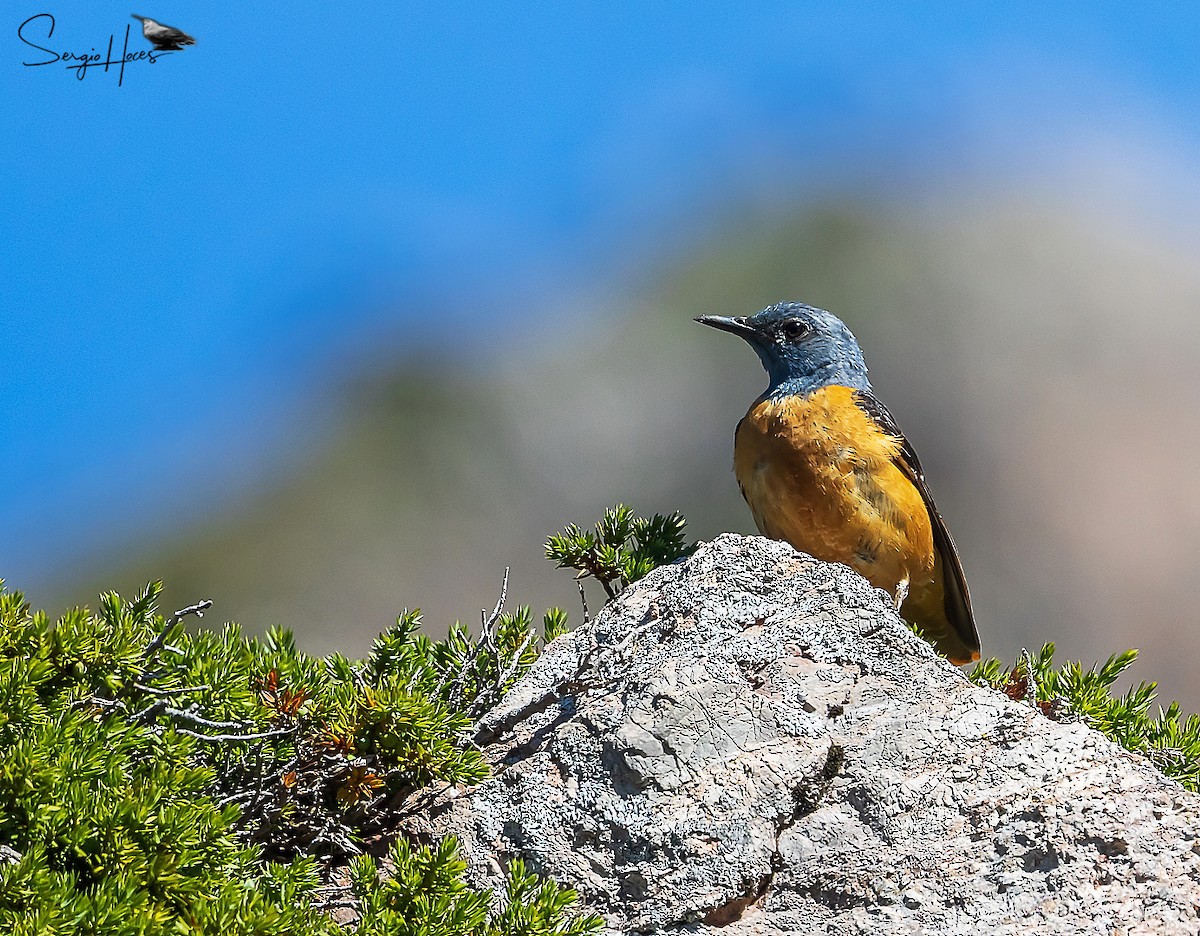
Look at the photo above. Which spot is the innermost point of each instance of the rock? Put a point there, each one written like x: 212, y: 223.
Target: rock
x: 751, y: 740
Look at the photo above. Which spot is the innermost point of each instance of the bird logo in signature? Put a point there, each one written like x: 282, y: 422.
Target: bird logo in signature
x: 165, y: 38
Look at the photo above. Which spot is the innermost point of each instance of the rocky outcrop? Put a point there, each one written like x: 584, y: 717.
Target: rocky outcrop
x: 751, y: 740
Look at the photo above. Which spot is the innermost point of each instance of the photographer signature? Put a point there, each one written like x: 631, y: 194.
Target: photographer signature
x: 80, y: 62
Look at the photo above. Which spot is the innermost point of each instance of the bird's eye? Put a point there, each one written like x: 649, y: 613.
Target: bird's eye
x: 794, y: 329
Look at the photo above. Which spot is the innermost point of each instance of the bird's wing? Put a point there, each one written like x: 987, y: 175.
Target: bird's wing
x: 954, y: 583
x: 169, y: 34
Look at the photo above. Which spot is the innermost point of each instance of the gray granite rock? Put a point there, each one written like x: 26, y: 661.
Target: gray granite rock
x: 751, y: 740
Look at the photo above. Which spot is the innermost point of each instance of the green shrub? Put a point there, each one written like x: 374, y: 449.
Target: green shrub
x: 1170, y: 740
x: 105, y: 818
x: 425, y: 894
x: 159, y: 781
x: 622, y: 548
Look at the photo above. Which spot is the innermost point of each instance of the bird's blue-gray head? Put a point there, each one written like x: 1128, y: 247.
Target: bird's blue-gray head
x: 802, y: 348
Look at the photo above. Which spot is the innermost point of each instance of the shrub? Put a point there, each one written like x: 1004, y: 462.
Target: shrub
x: 156, y: 780
x: 1170, y: 740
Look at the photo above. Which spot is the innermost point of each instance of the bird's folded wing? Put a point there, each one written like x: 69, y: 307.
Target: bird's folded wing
x: 954, y: 584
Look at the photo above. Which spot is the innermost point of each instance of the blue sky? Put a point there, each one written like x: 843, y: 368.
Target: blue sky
x: 188, y: 255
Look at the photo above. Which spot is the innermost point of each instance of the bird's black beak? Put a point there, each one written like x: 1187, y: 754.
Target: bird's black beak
x: 736, y: 324
x: 136, y: 17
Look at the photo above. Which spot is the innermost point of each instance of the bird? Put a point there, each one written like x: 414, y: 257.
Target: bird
x: 165, y: 38
x: 823, y: 465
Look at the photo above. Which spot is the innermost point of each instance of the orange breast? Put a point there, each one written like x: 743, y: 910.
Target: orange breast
x: 819, y: 473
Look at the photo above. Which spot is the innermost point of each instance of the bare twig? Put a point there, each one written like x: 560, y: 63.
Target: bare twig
x: 222, y: 738
x: 151, y: 711
x: 456, y: 685
x: 1031, y: 693
x: 160, y: 707
x: 111, y: 705
x: 244, y: 795
x: 151, y: 690
x: 198, y: 720
x: 592, y: 568
x: 485, y: 643
x: 197, y: 609
x: 500, y: 602
x: 487, y: 631
x: 485, y: 700
x: 587, y: 617
x: 516, y: 661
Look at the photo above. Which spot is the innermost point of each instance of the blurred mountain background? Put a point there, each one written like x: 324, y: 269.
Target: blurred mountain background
x: 319, y: 429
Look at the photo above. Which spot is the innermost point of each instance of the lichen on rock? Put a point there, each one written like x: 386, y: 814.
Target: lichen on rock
x: 752, y: 740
